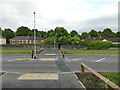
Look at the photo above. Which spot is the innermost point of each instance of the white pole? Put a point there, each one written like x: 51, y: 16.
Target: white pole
x: 34, y: 37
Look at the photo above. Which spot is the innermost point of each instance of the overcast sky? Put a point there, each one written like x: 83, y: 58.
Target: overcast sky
x: 79, y: 15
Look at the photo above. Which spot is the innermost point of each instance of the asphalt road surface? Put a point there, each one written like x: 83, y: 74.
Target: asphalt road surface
x: 63, y: 67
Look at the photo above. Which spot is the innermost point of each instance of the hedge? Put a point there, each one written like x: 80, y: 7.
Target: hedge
x: 97, y: 45
x: 116, y: 45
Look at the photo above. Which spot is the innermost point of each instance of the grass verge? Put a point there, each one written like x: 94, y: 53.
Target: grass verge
x: 89, y: 80
x: 16, y: 52
x: 109, y: 52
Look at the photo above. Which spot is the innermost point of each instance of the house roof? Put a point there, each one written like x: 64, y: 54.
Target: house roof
x: 113, y: 39
x: 107, y: 39
x: 26, y: 38
x: 93, y: 38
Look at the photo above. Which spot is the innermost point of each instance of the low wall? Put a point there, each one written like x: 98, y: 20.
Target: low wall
x: 30, y: 47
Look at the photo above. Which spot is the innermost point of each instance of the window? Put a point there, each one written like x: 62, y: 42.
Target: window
x: 29, y: 41
x: 19, y: 41
x: 26, y: 41
x: 13, y: 41
x: 22, y: 41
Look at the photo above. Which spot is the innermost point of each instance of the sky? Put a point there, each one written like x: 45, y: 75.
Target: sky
x: 79, y: 15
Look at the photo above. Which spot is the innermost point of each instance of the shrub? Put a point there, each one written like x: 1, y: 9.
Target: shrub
x: 97, y: 45
x: 115, y: 45
x: 84, y: 43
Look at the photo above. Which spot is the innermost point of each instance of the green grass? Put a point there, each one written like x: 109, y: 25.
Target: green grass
x: 15, y: 52
x: 112, y: 76
x: 91, y: 52
x: 90, y: 80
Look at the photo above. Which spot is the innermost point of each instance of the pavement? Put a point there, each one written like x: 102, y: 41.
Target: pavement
x: 51, y: 62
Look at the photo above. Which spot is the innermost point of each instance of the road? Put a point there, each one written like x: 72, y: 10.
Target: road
x: 63, y: 68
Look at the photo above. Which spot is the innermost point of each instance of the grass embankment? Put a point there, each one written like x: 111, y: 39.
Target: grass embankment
x: 91, y: 52
x: 91, y: 81
x: 16, y: 51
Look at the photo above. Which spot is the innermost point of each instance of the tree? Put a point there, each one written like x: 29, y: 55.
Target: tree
x: 93, y: 33
x: 63, y: 40
x: 8, y: 34
x: 118, y: 34
x: 107, y: 33
x: 99, y: 33
x: 23, y: 31
x: 84, y: 35
x: 74, y: 40
x: 73, y: 33
x: 60, y: 31
x: 1, y: 31
x: 50, y: 33
x: 49, y: 41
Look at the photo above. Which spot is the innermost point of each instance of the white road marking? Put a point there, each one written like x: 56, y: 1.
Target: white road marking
x: 12, y: 60
x: 100, y: 59
x: 51, y: 54
x: 80, y: 81
x: 74, y: 60
x: 66, y: 59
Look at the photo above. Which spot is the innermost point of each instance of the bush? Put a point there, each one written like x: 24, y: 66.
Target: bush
x: 84, y: 43
x: 97, y: 45
x: 115, y: 45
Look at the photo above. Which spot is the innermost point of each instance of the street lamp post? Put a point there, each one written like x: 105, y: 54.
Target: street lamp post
x: 34, y: 37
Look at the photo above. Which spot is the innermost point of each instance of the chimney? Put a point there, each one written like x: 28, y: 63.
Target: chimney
x: 15, y: 35
x: 40, y: 35
x: 89, y: 36
x: 100, y: 36
x: 28, y: 36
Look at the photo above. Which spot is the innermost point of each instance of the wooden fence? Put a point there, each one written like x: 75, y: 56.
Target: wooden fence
x: 110, y: 85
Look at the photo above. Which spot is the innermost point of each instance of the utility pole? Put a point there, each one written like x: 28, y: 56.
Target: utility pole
x: 34, y: 36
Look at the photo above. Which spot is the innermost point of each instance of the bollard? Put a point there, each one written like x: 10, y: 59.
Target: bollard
x: 63, y: 53
x: 32, y: 53
x: 82, y: 68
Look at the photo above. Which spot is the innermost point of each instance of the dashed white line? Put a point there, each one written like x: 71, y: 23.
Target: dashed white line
x: 74, y: 60
x: 100, y: 59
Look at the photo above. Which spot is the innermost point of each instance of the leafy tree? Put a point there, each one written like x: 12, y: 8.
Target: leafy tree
x: 23, y: 31
x: 84, y: 35
x: 49, y: 41
x: 74, y: 40
x: 1, y: 31
x: 43, y: 34
x: 63, y: 40
x: 99, y: 33
x: 8, y: 34
x: 93, y: 33
x: 60, y: 31
x: 107, y: 33
x: 73, y: 33
x: 118, y: 34
x: 50, y: 33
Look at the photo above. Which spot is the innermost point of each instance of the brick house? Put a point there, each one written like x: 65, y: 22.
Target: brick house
x: 114, y: 40
x: 25, y: 40
x: 94, y: 38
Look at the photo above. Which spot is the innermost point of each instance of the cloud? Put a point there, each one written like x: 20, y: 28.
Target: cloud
x: 80, y: 15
